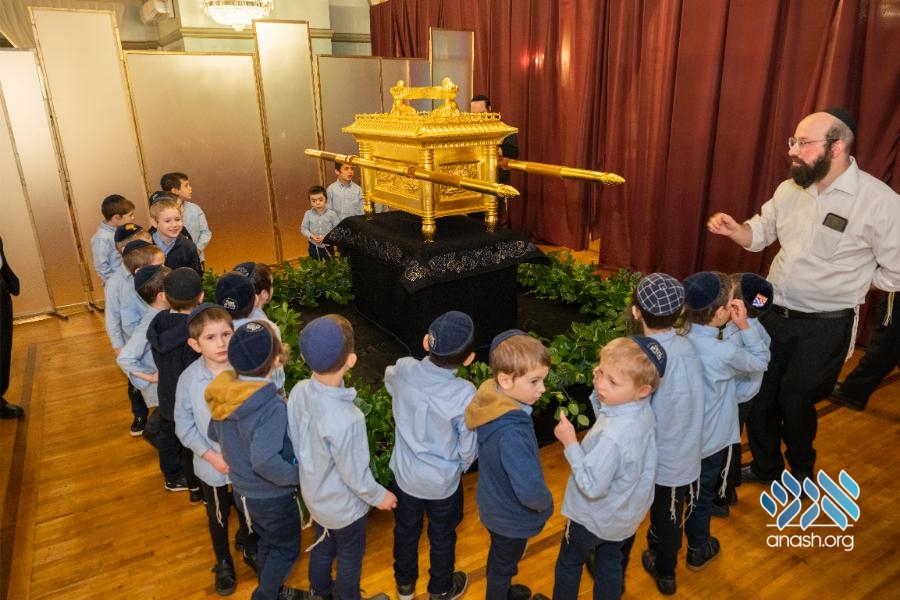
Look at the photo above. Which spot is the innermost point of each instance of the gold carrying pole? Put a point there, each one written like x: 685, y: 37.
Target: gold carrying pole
x: 448, y: 179
x: 561, y: 171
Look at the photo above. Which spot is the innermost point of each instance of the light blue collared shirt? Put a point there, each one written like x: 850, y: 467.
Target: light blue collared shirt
x: 192, y: 419
x: 103, y: 248
x: 194, y: 220
x: 678, y: 405
x: 137, y: 356
x: 123, y: 308
x: 611, y: 489
x: 345, y: 200
x: 747, y: 384
x: 433, y: 446
x: 722, y: 362
x: 328, y: 433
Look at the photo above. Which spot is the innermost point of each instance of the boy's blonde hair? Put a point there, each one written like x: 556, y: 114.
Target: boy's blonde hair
x: 160, y: 205
x: 517, y: 355
x: 627, y: 355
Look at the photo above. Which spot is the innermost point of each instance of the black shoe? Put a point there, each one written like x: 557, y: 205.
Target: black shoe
x: 314, y: 595
x: 406, y: 591
x: 289, y: 593
x: 748, y: 475
x: 720, y: 510
x: 838, y: 395
x: 137, y: 426
x: 539, y: 596
x: 457, y: 588
x: 664, y: 583
x: 517, y: 591
x: 698, y: 558
x: 226, y: 582
x: 177, y: 485
x: 195, y: 495
x: 10, y: 411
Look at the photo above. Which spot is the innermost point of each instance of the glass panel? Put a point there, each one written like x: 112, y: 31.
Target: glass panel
x: 452, y: 55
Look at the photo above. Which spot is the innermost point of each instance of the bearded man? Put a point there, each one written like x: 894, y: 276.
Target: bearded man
x: 839, y: 230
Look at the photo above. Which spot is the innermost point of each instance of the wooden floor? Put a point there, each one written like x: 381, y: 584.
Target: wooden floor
x: 85, y: 515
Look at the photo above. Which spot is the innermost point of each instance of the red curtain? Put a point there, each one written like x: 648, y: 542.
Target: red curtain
x: 691, y: 101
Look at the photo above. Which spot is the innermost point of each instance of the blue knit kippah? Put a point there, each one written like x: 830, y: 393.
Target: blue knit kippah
x: 450, y: 333
x: 701, y: 290
x: 321, y: 344
x: 250, y: 347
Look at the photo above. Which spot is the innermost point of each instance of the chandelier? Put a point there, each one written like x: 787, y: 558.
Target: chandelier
x: 237, y: 13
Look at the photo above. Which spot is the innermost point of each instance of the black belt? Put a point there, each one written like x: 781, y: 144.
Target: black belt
x: 790, y: 313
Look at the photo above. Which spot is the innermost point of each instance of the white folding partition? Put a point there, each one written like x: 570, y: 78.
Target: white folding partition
x: 88, y: 96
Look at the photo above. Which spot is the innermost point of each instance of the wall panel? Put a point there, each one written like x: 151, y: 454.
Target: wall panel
x: 88, y: 97
x: 286, y: 81
x: 20, y: 244
x: 452, y: 55
x: 37, y: 156
x: 199, y: 114
x: 347, y: 85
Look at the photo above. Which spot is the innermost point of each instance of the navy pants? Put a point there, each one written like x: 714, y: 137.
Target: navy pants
x: 696, y: 526
x: 138, y: 406
x: 667, y: 514
x: 219, y: 501
x: 277, y: 523
x: 608, y: 568
x: 502, y: 564
x: 324, y: 252
x: 346, y: 545
x: 443, y: 518
x: 882, y: 355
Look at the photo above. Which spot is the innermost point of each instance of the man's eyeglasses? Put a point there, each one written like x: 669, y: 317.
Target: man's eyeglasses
x: 792, y: 141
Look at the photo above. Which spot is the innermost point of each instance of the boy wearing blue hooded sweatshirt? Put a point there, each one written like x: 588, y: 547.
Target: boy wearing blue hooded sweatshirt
x: 513, y: 500
x: 329, y: 436
x: 249, y: 421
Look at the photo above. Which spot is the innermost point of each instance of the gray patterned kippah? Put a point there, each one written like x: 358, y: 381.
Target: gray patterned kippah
x: 660, y: 295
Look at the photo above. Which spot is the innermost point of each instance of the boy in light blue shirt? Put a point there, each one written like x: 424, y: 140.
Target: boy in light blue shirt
x: 316, y: 224
x: 210, y: 330
x: 344, y: 195
x: 756, y: 293
x: 328, y: 433
x: 678, y: 405
x: 613, y: 469
x: 433, y: 448
x: 117, y: 210
x: 709, y: 306
x: 124, y: 310
x: 136, y: 357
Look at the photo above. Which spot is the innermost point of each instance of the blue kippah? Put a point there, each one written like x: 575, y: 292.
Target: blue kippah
x: 654, y: 352
x: 701, y: 290
x: 321, y: 344
x: 450, y: 333
x: 503, y: 336
x: 250, y: 347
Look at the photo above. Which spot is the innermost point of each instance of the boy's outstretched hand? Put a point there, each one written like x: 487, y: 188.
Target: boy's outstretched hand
x: 389, y: 502
x: 564, y: 430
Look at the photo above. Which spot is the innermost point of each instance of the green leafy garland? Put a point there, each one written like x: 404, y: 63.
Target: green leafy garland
x: 573, y: 355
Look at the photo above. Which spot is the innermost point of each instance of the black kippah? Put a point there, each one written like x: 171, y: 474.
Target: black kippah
x: 844, y: 115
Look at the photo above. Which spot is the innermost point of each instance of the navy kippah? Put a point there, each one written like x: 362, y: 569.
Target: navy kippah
x: 450, y: 333
x: 321, y: 344
x: 183, y: 283
x: 701, y: 290
x: 234, y: 292
x: 844, y: 115
x: 756, y: 291
x: 245, y: 268
x: 503, y: 336
x: 145, y: 274
x: 134, y: 245
x: 654, y: 352
x: 250, y: 347
x: 126, y: 230
x: 203, y: 306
